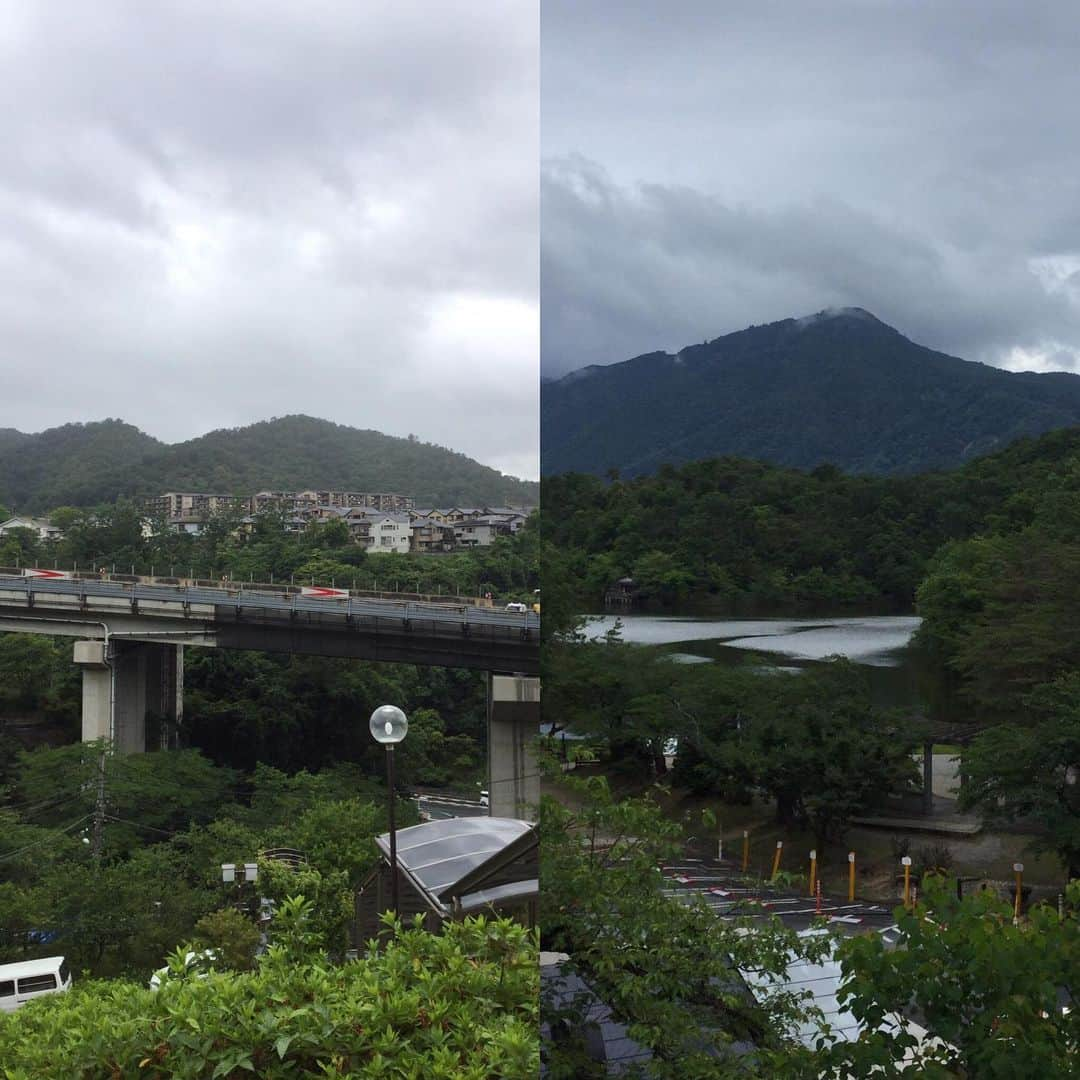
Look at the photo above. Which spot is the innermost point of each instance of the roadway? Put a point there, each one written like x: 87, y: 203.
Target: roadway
x: 275, y: 620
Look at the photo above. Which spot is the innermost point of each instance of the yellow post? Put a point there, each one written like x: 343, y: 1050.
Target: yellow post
x: 776, y: 859
x: 851, y: 877
x: 1018, y: 870
x: 813, y: 872
x: 906, y: 860
x: 745, y: 849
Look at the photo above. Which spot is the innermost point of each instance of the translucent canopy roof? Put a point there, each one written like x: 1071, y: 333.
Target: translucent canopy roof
x: 439, y: 854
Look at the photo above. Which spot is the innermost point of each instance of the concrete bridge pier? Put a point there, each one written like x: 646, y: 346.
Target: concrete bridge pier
x: 513, y: 725
x: 133, y: 693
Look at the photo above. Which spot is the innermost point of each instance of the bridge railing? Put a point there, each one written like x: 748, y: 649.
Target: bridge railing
x: 282, y: 598
x: 276, y: 588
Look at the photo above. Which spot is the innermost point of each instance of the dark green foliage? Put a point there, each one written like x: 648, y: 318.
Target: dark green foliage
x: 85, y: 464
x: 171, y: 819
x: 232, y: 936
x: 748, y: 535
x: 843, y: 389
x: 1030, y: 771
x: 814, y: 743
x: 243, y: 708
x: 987, y: 990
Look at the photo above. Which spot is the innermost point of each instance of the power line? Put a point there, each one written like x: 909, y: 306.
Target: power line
x: 44, y: 839
x: 140, y: 825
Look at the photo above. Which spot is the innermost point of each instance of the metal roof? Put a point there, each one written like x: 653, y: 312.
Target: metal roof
x: 439, y: 854
x: 607, y: 1039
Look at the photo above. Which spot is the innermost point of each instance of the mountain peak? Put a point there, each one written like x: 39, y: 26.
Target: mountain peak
x: 833, y: 314
x: 839, y: 386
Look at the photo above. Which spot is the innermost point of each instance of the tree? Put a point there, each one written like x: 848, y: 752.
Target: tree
x: 667, y: 970
x: 814, y: 743
x: 231, y: 936
x: 987, y: 990
x: 1032, y: 770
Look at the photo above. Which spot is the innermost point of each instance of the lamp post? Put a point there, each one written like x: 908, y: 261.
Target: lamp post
x: 388, y: 726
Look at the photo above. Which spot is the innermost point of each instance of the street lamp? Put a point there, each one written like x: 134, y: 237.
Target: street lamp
x: 388, y: 726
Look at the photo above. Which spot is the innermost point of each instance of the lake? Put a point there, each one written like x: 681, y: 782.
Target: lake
x: 879, y: 642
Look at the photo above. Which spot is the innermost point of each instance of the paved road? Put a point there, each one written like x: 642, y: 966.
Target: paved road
x: 729, y: 894
x: 279, y: 601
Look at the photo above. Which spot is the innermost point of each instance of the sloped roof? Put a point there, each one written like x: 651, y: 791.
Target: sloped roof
x: 608, y: 1040
x: 445, y: 855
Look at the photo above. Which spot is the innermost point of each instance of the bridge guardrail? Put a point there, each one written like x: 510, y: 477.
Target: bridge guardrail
x: 403, y: 609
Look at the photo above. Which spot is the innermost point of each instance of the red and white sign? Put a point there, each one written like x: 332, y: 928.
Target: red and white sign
x: 324, y: 594
x: 47, y: 573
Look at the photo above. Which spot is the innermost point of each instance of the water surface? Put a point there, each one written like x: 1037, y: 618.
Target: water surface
x: 875, y: 640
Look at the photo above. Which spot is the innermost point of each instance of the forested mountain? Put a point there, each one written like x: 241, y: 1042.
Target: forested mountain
x: 83, y: 464
x: 838, y: 387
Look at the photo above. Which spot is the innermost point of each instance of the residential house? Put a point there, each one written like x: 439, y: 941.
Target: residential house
x: 461, y: 513
x: 45, y: 530
x: 389, y: 532
x: 479, y: 531
x: 431, y: 536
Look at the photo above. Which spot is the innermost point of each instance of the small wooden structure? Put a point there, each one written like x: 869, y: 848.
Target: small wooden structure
x: 455, y: 867
x: 621, y: 594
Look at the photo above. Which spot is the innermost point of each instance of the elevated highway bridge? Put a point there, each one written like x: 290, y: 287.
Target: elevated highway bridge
x: 131, y: 637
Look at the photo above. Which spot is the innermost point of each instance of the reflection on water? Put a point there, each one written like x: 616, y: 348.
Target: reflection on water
x: 873, y: 639
x: 897, y: 675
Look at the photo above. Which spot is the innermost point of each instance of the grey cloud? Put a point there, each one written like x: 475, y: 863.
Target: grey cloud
x: 238, y: 211
x: 709, y: 166
x: 630, y: 270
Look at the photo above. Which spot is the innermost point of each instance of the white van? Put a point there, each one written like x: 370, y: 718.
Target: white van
x: 20, y: 983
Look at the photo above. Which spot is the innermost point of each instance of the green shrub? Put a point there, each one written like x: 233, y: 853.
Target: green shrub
x: 462, y: 1005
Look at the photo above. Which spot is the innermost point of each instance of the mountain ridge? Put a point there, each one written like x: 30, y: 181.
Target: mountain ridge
x: 98, y: 461
x: 838, y: 387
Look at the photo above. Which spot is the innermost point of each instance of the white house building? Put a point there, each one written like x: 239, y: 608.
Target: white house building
x: 45, y: 530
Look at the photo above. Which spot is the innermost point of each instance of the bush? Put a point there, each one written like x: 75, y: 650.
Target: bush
x: 232, y: 936
x: 462, y: 1004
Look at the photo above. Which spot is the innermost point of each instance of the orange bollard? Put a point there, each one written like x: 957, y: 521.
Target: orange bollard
x: 906, y: 861
x: 776, y: 859
x: 1018, y: 869
x: 813, y: 871
x: 745, y: 849
x: 851, y: 877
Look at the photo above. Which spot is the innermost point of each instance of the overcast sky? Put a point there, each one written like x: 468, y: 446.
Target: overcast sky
x: 712, y: 165
x: 212, y: 213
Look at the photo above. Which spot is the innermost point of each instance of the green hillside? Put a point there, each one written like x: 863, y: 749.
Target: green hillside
x: 84, y: 464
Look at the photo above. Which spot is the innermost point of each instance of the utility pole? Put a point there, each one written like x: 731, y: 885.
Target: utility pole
x: 99, y: 806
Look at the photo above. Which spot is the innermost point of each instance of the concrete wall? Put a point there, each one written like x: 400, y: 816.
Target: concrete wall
x: 134, y: 696
x: 513, y: 725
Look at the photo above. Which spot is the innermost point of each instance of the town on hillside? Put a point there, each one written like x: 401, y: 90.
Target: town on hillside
x: 377, y: 521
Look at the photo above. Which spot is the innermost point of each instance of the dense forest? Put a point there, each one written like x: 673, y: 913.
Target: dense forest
x: 742, y: 534
x: 85, y: 464
x: 839, y: 387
